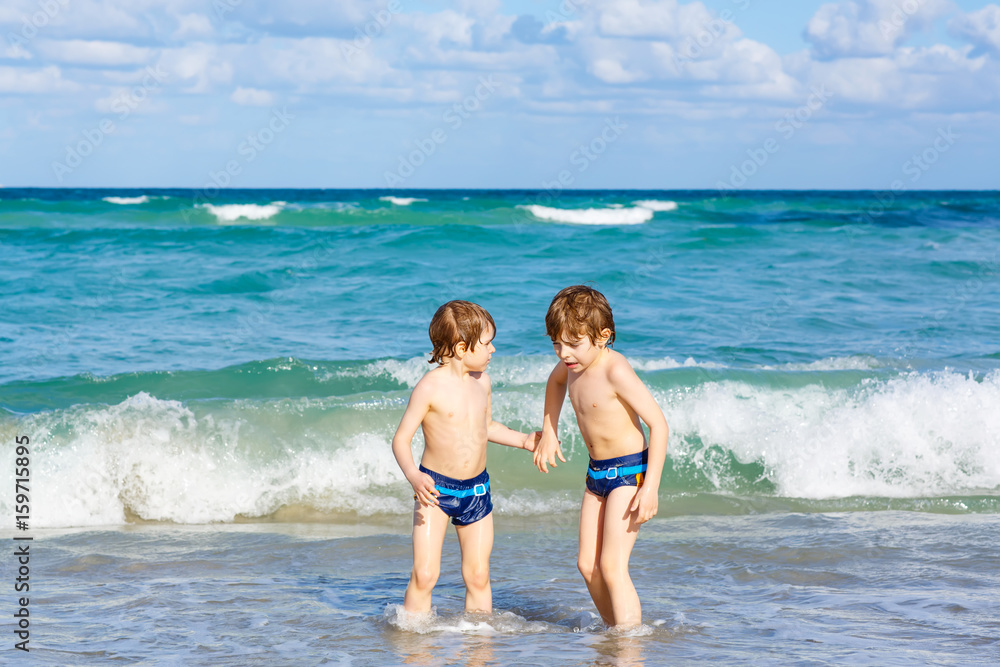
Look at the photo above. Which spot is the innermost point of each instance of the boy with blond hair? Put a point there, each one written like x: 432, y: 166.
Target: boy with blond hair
x: 452, y: 405
x: 623, y: 476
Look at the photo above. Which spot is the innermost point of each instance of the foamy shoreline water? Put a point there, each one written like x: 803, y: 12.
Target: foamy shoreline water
x: 864, y: 588
x: 812, y: 438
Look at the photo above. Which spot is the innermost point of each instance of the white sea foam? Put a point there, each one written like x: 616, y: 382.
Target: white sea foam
x: 400, y: 201
x: 656, y: 205
x: 913, y: 436
x: 230, y: 213
x: 499, y: 622
x: 591, y: 216
x: 853, y: 363
x: 517, y: 370
x: 918, y: 435
x: 667, y: 363
x: 161, y: 461
x: 142, y: 199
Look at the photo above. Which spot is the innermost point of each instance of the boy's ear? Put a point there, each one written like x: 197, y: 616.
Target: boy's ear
x: 460, y: 349
x: 605, y: 335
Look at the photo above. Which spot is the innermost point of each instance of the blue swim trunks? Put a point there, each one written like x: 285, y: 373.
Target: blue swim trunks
x: 606, y: 475
x: 464, y: 500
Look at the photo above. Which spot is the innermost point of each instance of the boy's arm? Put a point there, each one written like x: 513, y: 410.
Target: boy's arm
x: 636, y: 395
x: 503, y: 435
x: 548, y: 444
x: 416, y: 409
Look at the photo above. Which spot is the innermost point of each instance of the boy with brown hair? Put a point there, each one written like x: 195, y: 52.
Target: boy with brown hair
x: 452, y: 405
x: 623, y: 476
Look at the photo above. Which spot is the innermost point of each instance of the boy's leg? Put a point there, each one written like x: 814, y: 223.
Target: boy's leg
x: 620, y: 531
x: 476, y: 541
x: 589, y: 558
x: 429, y: 527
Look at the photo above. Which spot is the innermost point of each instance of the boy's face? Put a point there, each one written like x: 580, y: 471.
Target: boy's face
x: 478, y: 359
x: 578, y: 353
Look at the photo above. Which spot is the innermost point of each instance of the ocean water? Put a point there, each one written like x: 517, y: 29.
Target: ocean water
x: 210, y: 380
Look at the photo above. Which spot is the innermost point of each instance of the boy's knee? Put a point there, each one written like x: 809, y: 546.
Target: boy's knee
x: 426, y: 577
x: 476, y: 577
x: 588, y: 569
x: 611, y: 571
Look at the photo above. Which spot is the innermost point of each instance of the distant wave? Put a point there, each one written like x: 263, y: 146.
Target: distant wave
x: 142, y: 199
x: 401, y: 201
x: 668, y: 364
x: 227, y: 213
x: 657, y: 205
x: 592, y: 216
x: 853, y: 363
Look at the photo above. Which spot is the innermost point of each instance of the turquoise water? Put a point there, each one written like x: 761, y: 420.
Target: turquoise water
x: 185, y: 359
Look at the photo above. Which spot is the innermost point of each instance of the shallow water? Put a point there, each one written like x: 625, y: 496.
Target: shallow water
x: 887, y: 588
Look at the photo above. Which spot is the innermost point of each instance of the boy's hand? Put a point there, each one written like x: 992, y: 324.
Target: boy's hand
x: 423, y: 489
x: 645, y: 504
x: 531, y: 441
x: 546, y: 451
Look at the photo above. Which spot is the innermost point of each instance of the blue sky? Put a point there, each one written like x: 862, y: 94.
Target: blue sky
x: 657, y: 94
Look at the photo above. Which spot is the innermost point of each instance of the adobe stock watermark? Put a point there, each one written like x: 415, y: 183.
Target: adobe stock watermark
x: 652, y: 264
x: 221, y: 8
x: 711, y: 31
x: 247, y: 151
x: 566, y: 10
x: 902, y: 12
x: 768, y: 318
x: 31, y: 25
x: 94, y: 137
x: 582, y: 157
x: 786, y: 128
x: 964, y: 295
x: 915, y: 168
x: 455, y: 116
x: 363, y: 35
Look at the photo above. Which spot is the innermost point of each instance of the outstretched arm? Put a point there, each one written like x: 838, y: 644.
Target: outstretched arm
x: 416, y: 410
x: 548, y: 444
x: 634, y: 393
x: 503, y: 435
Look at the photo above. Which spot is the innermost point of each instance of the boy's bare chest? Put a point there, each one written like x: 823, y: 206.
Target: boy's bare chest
x: 469, y: 407
x: 592, y: 399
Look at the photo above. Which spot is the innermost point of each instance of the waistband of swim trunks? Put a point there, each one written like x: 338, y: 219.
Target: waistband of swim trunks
x: 452, y: 483
x: 620, y: 461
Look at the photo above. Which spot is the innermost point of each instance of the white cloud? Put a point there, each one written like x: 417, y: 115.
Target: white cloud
x: 981, y: 29
x: 609, y: 70
x: 252, y: 97
x: 604, y: 56
x: 201, y: 67
x: 92, y: 52
x: 863, y: 28
x: 45, y: 80
x: 441, y: 29
x: 312, y: 17
x: 936, y: 78
x: 666, y: 19
x: 193, y: 26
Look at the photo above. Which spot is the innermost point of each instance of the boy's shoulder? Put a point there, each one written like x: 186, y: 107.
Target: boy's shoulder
x: 617, y: 360
x: 618, y: 366
x: 441, y: 380
x: 430, y: 382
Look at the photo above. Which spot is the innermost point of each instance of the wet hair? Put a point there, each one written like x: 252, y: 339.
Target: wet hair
x: 457, y: 322
x: 579, y: 311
